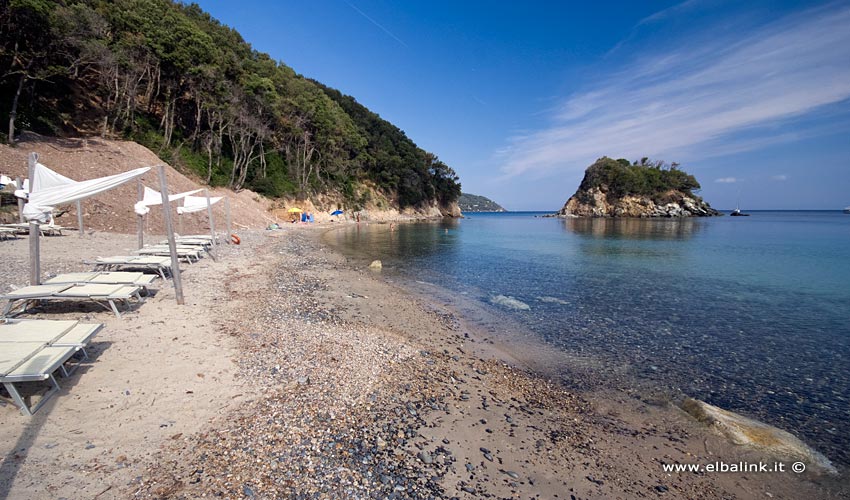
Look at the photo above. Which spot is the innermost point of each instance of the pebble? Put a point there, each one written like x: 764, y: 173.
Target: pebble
x: 425, y: 457
x: 512, y: 474
x: 594, y: 480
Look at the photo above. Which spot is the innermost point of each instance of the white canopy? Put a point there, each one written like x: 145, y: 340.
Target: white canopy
x: 152, y: 197
x: 44, y: 178
x: 50, y: 189
x: 196, y: 204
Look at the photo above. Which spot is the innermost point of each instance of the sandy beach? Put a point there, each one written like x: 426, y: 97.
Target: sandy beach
x: 291, y: 373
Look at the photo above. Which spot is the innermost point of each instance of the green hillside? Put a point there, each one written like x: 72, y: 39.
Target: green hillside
x: 171, y: 77
x: 475, y: 203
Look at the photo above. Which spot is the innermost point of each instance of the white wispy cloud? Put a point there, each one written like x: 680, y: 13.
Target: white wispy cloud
x: 711, y: 98
x: 376, y: 23
x: 780, y: 177
x: 670, y: 11
x: 726, y: 180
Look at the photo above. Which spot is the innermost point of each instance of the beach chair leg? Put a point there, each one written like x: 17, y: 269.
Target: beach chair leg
x: 68, y: 370
x: 16, y: 397
x: 114, y: 308
x: 22, y: 405
x: 53, y: 390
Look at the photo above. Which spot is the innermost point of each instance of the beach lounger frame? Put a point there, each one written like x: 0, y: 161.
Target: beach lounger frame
x: 58, y: 352
x: 7, y: 233
x: 130, y: 262
x: 27, y: 301
x: 185, y: 253
x: 44, y: 229
x: 104, y: 278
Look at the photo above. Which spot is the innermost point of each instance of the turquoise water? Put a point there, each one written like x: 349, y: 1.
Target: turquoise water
x: 751, y: 314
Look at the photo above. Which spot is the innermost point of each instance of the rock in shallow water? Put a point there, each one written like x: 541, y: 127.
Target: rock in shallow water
x: 754, y: 434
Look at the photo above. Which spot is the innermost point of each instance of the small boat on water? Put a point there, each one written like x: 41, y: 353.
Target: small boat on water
x: 847, y: 210
x: 738, y: 213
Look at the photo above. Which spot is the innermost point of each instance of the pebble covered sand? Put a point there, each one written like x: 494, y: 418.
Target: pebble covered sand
x: 345, y: 386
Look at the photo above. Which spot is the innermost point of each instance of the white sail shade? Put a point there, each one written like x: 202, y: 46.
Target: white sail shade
x: 196, y: 204
x: 51, y: 189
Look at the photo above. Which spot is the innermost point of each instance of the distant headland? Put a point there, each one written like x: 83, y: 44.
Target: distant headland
x: 474, y: 203
x: 619, y: 188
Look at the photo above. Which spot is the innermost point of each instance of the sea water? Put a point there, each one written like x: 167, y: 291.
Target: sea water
x: 748, y: 313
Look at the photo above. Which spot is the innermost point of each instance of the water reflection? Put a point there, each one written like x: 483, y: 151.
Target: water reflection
x: 390, y: 241
x: 631, y: 228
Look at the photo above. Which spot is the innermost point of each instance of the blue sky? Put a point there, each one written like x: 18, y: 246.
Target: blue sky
x: 753, y: 97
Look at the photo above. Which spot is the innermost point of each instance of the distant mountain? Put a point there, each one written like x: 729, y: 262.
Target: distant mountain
x: 474, y: 203
x: 619, y: 188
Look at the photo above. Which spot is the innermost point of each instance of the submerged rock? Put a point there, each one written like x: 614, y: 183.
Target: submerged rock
x: 509, y: 302
x: 744, y: 431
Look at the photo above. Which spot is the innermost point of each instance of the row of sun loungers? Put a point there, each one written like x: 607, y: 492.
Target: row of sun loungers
x: 24, y: 228
x: 32, y: 350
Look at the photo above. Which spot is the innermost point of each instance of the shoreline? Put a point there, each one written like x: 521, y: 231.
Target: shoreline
x: 346, y: 386
x: 448, y: 397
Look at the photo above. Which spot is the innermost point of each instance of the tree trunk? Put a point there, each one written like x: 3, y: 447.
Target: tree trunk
x: 14, y: 112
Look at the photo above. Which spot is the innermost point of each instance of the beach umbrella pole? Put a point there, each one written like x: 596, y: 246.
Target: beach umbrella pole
x: 212, y: 223
x: 210, y: 217
x: 227, y: 220
x: 169, y: 230
x: 19, y: 183
x: 80, y: 218
x: 35, y: 233
x: 140, y: 219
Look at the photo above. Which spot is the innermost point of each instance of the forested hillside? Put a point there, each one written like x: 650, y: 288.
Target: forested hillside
x: 475, y: 203
x: 171, y: 77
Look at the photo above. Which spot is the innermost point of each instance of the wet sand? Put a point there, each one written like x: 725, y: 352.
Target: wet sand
x: 295, y: 374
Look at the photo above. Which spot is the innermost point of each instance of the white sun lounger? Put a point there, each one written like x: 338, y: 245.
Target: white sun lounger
x: 146, y: 263
x: 45, y: 229
x: 188, y: 253
x: 8, y: 232
x: 190, y: 242
x: 68, y: 333
x: 32, y: 350
x: 105, y: 277
x: 205, y: 237
x: 92, y: 292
